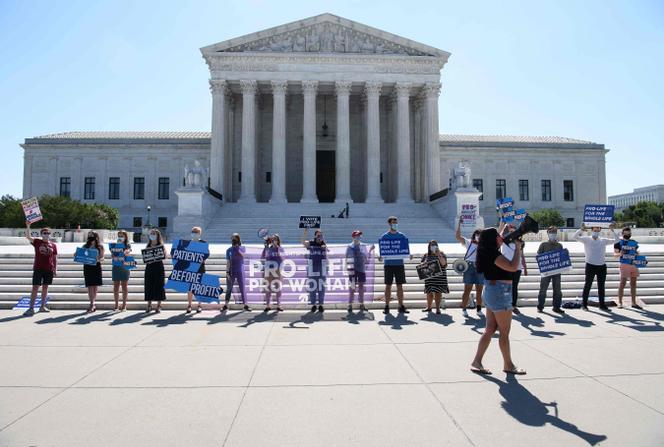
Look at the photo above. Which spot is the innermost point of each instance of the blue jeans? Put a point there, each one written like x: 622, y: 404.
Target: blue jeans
x: 318, y: 290
x: 497, y: 296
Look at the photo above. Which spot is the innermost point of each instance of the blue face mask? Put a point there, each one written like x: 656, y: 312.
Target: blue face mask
x: 153, y: 237
x: 394, y: 227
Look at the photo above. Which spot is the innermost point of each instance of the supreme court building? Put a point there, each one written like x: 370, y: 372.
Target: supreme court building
x: 319, y: 111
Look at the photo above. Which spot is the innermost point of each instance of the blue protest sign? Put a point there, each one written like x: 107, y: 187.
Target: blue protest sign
x: 629, y: 250
x: 208, y: 289
x: 519, y: 216
x: 117, y: 254
x: 598, y: 215
x: 640, y: 261
x: 554, y: 262
x: 86, y: 255
x: 129, y: 263
x: 187, y: 257
x: 394, y: 246
x: 505, y: 208
x: 24, y: 302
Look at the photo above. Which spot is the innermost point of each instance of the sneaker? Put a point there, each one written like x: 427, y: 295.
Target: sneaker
x: 320, y: 309
x: 225, y: 308
x: 438, y: 312
x: 516, y: 311
x: 636, y: 306
x: 403, y: 310
x: 558, y: 310
x: 479, y: 312
x: 585, y: 308
x: 199, y: 310
x: 386, y: 310
x: 428, y: 309
x: 350, y: 309
x: 540, y: 309
x: 247, y: 308
x: 313, y: 309
x: 267, y: 309
x: 464, y: 312
x: 44, y: 309
x: 363, y: 308
x: 30, y: 312
x: 279, y: 309
x: 605, y: 308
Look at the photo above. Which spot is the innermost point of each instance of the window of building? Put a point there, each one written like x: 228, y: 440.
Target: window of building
x: 239, y: 176
x: 568, y: 190
x: 65, y: 186
x: 138, y: 222
x: 501, y: 188
x: 570, y: 222
x: 162, y: 222
x: 113, y: 188
x: 546, y: 190
x: 89, y: 189
x: 268, y: 177
x: 139, y: 188
x: 524, y: 193
x: 478, y: 184
x: 164, y: 186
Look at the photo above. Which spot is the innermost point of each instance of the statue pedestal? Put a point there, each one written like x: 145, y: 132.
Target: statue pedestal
x: 194, y: 209
x: 469, y: 197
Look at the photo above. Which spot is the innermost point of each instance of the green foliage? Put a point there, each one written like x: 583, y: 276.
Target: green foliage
x: 547, y: 217
x: 59, y: 212
x: 644, y: 214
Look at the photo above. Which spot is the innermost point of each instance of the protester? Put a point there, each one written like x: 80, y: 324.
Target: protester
x: 235, y: 271
x: 547, y: 246
x: 120, y: 274
x: 154, y: 274
x: 628, y: 271
x: 272, y: 257
x: 393, y: 269
x: 508, y: 250
x: 594, y: 247
x: 498, y: 272
x: 357, y: 257
x: 92, y: 272
x: 316, y: 268
x: 196, y: 233
x: 436, y: 285
x: 471, y: 277
x: 45, y: 267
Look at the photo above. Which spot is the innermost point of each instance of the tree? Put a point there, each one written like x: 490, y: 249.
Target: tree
x: 59, y: 212
x: 11, y: 212
x: 643, y: 214
x: 548, y: 217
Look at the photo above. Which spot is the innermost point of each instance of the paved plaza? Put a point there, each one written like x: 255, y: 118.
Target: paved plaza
x: 124, y: 379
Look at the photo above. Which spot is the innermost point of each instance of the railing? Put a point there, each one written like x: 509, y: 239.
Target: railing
x: 215, y: 194
x: 438, y: 195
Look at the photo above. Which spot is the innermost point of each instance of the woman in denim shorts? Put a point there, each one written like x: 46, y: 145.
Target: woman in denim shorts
x: 498, y: 272
x: 471, y: 277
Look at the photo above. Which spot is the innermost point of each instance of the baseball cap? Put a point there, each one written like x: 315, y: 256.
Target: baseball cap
x: 356, y: 233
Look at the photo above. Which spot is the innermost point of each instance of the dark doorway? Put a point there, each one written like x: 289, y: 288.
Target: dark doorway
x: 325, y: 176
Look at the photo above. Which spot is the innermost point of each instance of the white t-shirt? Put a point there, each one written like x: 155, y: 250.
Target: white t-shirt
x: 595, y: 249
x: 471, y: 250
x: 508, y: 250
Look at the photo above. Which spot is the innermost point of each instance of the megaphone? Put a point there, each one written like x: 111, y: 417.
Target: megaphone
x: 460, y: 266
x: 529, y: 225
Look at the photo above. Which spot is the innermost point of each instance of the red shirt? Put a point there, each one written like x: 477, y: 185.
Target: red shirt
x: 45, y: 254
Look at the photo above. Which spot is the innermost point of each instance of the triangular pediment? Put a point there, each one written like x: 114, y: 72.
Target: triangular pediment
x: 325, y: 33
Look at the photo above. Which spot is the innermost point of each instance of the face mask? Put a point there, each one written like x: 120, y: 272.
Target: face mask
x: 553, y: 237
x: 627, y: 236
x: 595, y: 234
x: 195, y: 236
x: 91, y: 238
x: 434, y: 248
x: 153, y: 237
x: 235, y: 242
x: 120, y: 240
x: 45, y: 236
x: 394, y: 227
x: 356, y: 240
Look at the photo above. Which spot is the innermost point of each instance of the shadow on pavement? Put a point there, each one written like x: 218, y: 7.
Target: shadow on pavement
x: 93, y: 317
x: 527, y: 409
x: 397, y: 322
x: 131, y: 318
x: 641, y: 325
x: 442, y: 319
x: 535, y: 322
x: 476, y: 323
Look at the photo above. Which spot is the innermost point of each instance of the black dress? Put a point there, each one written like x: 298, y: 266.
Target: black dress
x: 154, y: 282
x: 92, y: 274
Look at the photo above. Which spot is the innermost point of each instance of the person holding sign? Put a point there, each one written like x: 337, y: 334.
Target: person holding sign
x: 545, y: 247
x: 92, y: 272
x: 357, y: 257
x: 120, y: 274
x: 508, y: 250
x: 627, y: 249
x: 471, y: 277
x: 594, y: 247
x: 154, y: 273
x: 498, y: 272
x: 316, y: 268
x: 272, y: 256
x: 195, y: 236
x: 436, y: 285
x: 45, y: 267
x: 393, y: 268
x: 235, y: 271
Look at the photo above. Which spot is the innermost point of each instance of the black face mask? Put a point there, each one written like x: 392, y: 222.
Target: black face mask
x: 627, y: 236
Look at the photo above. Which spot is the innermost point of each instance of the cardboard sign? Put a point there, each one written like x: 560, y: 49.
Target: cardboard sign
x: 153, y: 254
x: 24, y: 302
x: 187, y: 257
x: 598, y: 215
x: 310, y: 221
x: 86, y: 255
x: 394, y: 246
x: 428, y: 269
x: 640, y: 261
x: 31, y: 210
x: 468, y: 217
x: 554, y: 262
x: 117, y: 254
x: 629, y: 250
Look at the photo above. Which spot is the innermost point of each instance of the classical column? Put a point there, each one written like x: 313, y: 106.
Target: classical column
x: 247, y: 188
x: 279, y: 142
x: 309, y: 142
x: 403, y: 142
x: 342, y: 89
x: 219, y: 90
x: 372, y: 90
x: 432, y: 149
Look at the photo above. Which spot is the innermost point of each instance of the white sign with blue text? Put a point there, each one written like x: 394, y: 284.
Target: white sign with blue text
x: 394, y: 246
x: 554, y: 262
x: 598, y: 215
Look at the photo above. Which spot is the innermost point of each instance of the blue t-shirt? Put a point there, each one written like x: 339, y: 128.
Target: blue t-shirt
x: 388, y: 235
x: 235, y: 255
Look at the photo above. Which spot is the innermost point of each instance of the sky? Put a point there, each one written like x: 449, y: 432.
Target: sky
x: 588, y: 69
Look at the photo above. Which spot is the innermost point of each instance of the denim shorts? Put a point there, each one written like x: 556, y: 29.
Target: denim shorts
x: 497, y: 296
x: 471, y: 276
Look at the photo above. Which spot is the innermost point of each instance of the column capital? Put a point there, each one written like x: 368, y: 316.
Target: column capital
x: 309, y: 87
x: 342, y: 87
x: 372, y: 88
x: 432, y: 89
x: 279, y: 87
x: 248, y: 86
x: 402, y: 89
x: 218, y: 86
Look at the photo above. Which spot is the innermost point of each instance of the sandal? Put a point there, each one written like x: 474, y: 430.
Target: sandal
x: 149, y: 309
x: 481, y: 371
x: 516, y: 371
x: 188, y: 309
